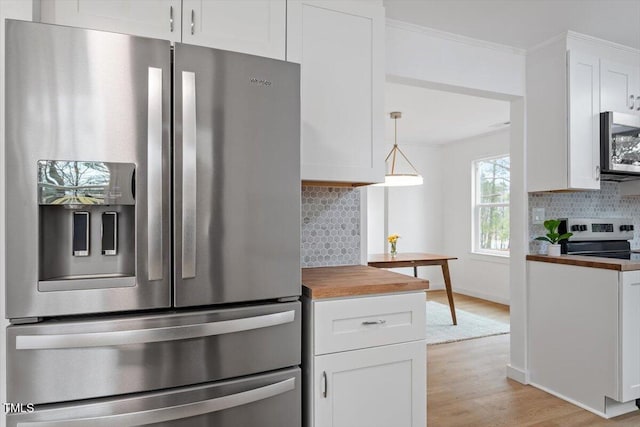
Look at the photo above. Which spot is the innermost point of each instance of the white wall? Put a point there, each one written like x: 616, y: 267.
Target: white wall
x: 439, y: 59
x: 413, y: 212
x: 436, y: 217
x: 472, y: 274
x: 429, y: 58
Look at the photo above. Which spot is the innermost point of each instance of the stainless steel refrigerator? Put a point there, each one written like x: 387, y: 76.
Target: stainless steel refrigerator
x: 153, y: 220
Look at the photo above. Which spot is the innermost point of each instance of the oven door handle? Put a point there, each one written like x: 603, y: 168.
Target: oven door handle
x: 143, y: 336
x: 172, y: 413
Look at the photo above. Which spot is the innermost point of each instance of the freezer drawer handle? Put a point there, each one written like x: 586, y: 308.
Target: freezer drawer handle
x: 154, y: 174
x: 142, y: 336
x: 172, y: 413
x: 189, y: 175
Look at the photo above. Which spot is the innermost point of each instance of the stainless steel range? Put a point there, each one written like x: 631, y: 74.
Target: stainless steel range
x: 153, y: 211
x: 599, y: 237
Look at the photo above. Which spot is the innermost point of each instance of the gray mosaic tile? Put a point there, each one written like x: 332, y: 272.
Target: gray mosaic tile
x: 604, y: 203
x: 330, y: 232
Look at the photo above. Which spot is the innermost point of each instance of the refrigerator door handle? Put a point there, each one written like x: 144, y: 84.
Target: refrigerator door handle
x: 144, y: 336
x: 154, y: 174
x: 189, y: 180
x: 173, y: 413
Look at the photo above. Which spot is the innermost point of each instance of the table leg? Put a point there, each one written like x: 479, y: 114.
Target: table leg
x: 447, y: 284
x: 415, y: 271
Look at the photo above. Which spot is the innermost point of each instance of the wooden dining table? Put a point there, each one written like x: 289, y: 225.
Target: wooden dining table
x: 416, y: 260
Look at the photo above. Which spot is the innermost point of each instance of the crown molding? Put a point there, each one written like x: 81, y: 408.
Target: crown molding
x: 401, y: 25
x: 601, y: 42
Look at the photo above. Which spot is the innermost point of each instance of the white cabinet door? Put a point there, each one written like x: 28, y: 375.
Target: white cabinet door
x: 377, y: 387
x: 584, y: 121
x: 629, y: 336
x: 340, y: 45
x: 257, y: 27
x: 619, y: 87
x: 159, y: 19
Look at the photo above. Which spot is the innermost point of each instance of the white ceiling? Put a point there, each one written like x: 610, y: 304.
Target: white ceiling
x: 436, y: 117
x: 524, y: 23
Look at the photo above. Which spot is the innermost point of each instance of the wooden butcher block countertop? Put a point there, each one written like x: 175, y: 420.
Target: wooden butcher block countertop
x: 356, y: 280
x: 588, y: 261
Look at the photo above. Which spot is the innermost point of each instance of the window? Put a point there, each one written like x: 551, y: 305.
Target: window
x: 491, y: 206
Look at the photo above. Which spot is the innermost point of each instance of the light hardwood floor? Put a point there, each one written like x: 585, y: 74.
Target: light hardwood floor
x: 467, y: 385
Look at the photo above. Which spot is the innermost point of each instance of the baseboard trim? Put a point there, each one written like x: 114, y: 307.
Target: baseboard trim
x: 572, y: 401
x: 517, y: 375
x: 481, y: 295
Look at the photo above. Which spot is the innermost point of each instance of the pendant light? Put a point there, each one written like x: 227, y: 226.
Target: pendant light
x: 400, y: 171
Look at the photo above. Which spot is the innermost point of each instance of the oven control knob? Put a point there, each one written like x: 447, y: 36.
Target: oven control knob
x: 575, y: 227
x: 631, y: 227
x: 623, y: 228
x: 583, y: 227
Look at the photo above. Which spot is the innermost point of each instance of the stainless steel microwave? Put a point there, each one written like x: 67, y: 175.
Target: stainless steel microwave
x: 619, y: 146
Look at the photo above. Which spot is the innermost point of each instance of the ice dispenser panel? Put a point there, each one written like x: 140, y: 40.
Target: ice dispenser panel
x: 86, y: 225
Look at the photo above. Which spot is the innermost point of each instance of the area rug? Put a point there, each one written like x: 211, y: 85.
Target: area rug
x: 440, y: 330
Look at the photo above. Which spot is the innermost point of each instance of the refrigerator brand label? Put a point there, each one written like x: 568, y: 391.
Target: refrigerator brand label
x: 260, y: 82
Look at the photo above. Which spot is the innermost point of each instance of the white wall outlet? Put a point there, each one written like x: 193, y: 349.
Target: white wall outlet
x: 538, y: 215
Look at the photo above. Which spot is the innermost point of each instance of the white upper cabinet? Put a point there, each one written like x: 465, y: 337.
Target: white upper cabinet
x: 563, y: 119
x: 619, y: 87
x: 257, y: 27
x: 584, y: 121
x: 148, y: 18
x: 340, y: 46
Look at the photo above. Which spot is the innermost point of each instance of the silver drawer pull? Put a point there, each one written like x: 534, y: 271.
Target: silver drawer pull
x: 143, y: 336
x: 374, y: 322
x: 173, y: 413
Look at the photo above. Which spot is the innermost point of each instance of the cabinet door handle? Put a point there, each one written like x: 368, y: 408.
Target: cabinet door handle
x: 171, y: 18
x: 193, y: 21
x: 374, y: 322
x: 597, y: 173
x: 324, y: 384
x: 632, y: 102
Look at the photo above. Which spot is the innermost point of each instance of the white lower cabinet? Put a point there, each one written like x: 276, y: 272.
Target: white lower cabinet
x: 364, y: 361
x: 376, y: 387
x: 584, y: 335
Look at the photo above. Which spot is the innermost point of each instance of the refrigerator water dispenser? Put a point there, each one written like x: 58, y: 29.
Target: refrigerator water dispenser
x: 86, y: 225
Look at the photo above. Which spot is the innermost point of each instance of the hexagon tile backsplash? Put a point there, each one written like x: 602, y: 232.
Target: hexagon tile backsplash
x: 330, y: 232
x: 604, y: 203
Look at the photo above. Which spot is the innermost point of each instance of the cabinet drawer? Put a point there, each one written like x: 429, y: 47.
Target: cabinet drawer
x: 367, y: 322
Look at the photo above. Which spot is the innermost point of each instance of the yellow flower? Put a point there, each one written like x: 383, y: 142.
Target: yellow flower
x: 393, y: 238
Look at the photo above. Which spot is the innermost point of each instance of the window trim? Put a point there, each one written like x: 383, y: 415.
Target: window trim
x: 475, y: 209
